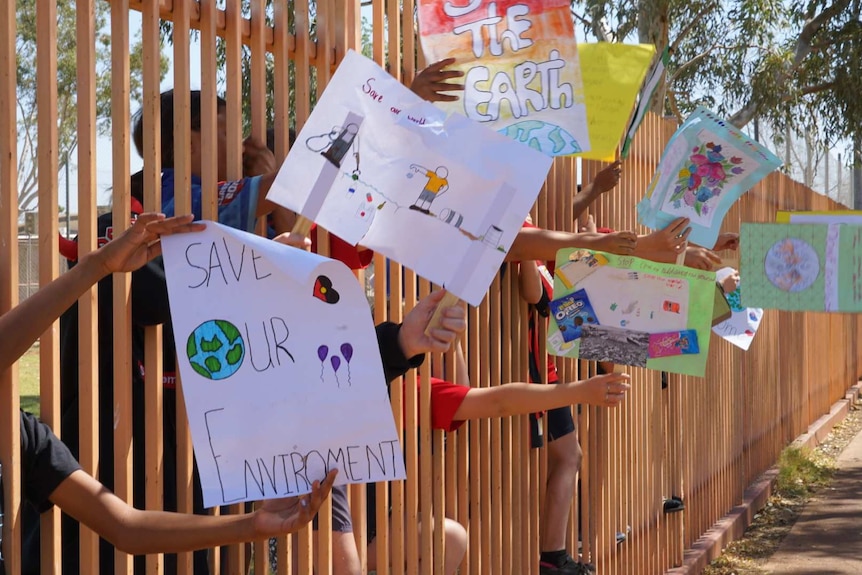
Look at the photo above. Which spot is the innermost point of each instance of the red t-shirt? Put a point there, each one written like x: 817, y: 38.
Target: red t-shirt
x: 446, y: 398
x: 344, y: 252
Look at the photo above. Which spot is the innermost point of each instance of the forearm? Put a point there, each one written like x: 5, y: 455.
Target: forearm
x: 582, y: 201
x: 517, y: 399
x: 264, y: 206
x: 25, y: 323
x: 145, y: 532
x: 540, y: 244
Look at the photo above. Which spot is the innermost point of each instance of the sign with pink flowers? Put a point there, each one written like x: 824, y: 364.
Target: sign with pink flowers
x: 707, y: 165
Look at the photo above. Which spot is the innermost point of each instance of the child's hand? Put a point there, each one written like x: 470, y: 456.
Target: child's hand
x: 620, y: 243
x: 727, y: 241
x: 606, y: 390
x: 591, y: 227
x: 294, y: 240
x: 701, y: 258
x: 290, y: 514
x: 256, y: 158
x: 607, y: 179
x: 730, y: 283
x: 670, y: 240
x: 412, y: 336
x: 140, y: 243
x: 431, y: 81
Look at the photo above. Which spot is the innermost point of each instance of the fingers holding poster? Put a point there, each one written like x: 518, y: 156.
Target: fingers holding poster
x: 281, y: 371
x: 520, y: 65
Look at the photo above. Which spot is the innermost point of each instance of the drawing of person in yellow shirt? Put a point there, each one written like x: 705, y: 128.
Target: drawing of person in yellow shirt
x: 436, y: 185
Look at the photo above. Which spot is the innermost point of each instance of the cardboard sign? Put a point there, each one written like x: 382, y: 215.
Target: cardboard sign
x: 441, y: 195
x: 631, y: 311
x: 280, y: 367
x: 520, y: 62
x: 802, y: 267
x: 706, y: 166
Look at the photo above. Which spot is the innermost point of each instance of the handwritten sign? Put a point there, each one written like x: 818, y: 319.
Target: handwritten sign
x: 802, y: 267
x: 612, y: 74
x: 439, y: 194
x: 706, y: 166
x: 280, y: 367
x: 631, y: 311
x: 520, y: 64
x: 742, y: 325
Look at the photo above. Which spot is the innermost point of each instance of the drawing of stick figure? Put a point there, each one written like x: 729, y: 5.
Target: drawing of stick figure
x: 436, y: 185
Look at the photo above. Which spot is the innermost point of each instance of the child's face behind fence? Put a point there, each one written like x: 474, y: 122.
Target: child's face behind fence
x: 221, y: 149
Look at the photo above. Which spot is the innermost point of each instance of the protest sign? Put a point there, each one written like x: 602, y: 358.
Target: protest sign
x: 280, y: 367
x: 520, y: 62
x: 706, y: 166
x: 631, y: 311
x: 439, y: 194
x: 799, y: 267
x: 612, y: 74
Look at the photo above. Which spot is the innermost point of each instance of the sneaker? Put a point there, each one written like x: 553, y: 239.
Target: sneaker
x: 569, y: 567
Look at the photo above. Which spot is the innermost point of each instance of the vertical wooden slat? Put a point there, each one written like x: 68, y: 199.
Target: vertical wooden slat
x: 49, y: 355
x: 88, y: 304
x: 10, y: 431
x: 153, y: 394
x: 182, y: 205
x: 121, y: 315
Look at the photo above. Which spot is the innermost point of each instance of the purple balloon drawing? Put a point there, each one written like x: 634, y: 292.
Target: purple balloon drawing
x: 336, y: 363
x: 347, y: 353
x: 322, y: 352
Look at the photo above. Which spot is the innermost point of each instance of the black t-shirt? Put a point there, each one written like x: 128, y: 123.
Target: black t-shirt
x: 45, y: 463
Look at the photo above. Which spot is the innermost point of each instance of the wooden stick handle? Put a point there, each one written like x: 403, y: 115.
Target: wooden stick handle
x: 680, y: 257
x: 302, y: 226
x: 449, y: 299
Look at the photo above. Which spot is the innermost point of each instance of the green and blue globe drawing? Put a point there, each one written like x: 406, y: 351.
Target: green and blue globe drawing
x: 216, y: 349
x: 547, y: 138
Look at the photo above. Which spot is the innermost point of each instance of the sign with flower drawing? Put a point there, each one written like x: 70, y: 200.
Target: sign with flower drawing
x: 707, y: 165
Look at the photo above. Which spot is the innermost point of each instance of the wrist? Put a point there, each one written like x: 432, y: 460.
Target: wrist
x: 406, y: 349
x: 93, y: 266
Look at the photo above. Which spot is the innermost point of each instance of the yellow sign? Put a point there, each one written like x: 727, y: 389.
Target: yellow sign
x: 612, y: 75
x: 820, y: 217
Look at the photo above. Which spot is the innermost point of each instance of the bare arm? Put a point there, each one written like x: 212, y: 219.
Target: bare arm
x: 26, y: 322
x: 521, y: 398
x: 138, y: 532
x: 542, y: 245
x: 605, y: 181
x: 530, y: 281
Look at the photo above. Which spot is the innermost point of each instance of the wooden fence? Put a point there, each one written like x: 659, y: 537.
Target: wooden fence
x: 705, y: 439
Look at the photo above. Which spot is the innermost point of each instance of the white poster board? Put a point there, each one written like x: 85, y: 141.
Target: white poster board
x: 377, y: 165
x: 280, y: 367
x: 741, y: 327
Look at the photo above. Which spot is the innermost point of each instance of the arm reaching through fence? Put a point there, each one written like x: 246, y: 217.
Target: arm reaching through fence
x: 136, y: 246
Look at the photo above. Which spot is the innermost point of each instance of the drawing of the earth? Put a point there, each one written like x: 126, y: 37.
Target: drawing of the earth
x: 792, y: 265
x: 544, y: 137
x: 216, y: 349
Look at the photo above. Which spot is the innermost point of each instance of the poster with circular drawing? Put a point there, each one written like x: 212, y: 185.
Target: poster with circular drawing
x: 792, y: 265
x: 215, y: 349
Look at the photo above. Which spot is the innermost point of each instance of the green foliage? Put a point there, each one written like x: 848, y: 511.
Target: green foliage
x: 799, y: 473
x: 67, y: 84
x: 791, y: 63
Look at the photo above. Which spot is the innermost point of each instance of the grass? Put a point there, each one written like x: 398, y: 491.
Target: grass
x: 28, y: 380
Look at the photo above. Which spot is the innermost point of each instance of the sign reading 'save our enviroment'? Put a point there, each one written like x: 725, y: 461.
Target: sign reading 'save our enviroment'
x: 280, y: 367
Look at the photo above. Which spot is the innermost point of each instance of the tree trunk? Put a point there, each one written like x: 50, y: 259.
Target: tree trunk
x: 653, y: 29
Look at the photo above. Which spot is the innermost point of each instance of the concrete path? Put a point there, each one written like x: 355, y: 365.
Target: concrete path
x: 827, y: 538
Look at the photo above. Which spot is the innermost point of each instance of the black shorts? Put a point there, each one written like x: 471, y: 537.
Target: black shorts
x: 341, y: 521
x: 560, y: 424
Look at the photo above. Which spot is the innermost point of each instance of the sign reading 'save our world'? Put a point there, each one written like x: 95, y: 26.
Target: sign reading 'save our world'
x: 280, y: 367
